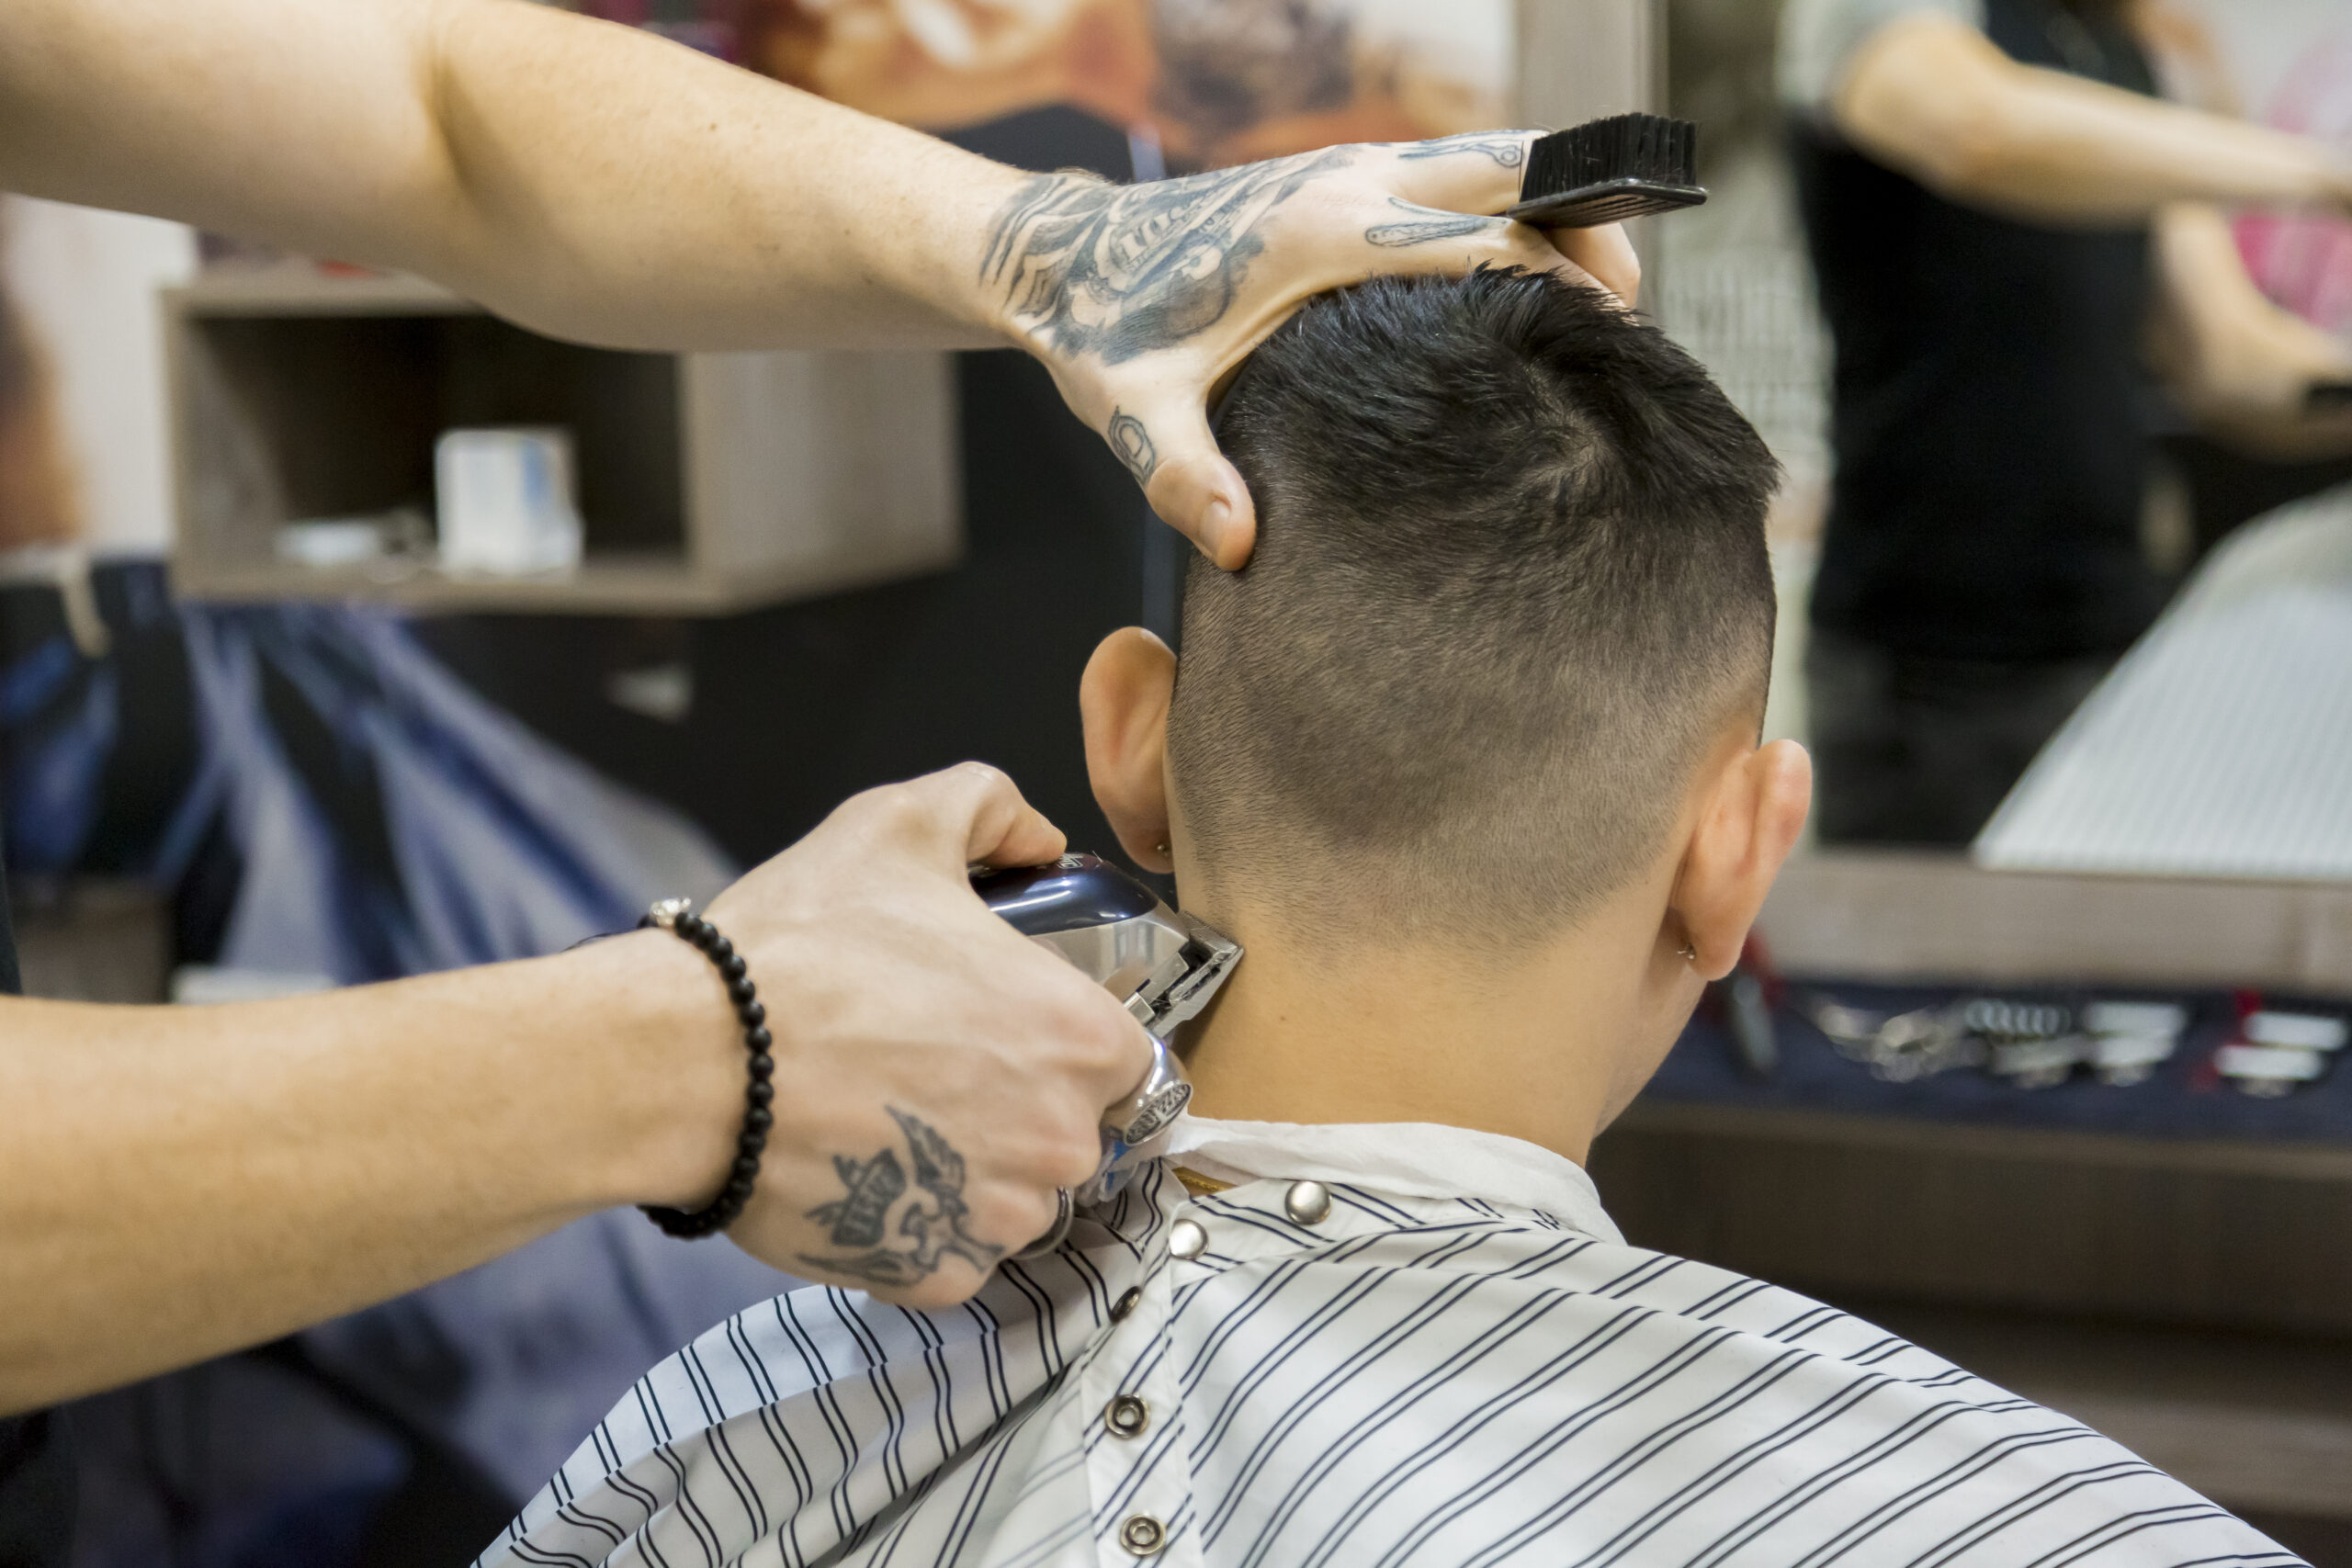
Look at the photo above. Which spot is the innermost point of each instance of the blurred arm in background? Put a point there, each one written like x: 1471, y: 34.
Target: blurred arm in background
x: 1933, y: 98
x: 2239, y: 365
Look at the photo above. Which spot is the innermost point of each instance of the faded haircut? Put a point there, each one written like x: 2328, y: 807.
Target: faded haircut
x: 1511, y: 584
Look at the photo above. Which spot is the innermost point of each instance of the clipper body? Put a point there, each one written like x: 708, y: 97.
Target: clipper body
x: 1165, y: 965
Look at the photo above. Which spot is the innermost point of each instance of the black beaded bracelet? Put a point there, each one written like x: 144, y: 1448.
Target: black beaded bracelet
x: 673, y: 915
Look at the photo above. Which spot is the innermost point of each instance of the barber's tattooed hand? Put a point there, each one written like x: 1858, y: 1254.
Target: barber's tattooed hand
x: 1510, y: 151
x: 938, y: 1075
x: 1118, y: 271
x: 898, y: 1244
x: 1143, y: 299
x: 1426, y: 224
x: 1132, y: 443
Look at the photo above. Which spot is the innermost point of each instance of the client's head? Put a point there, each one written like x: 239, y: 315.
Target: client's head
x: 1503, y: 646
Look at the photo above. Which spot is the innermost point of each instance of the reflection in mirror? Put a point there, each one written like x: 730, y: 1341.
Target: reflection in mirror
x: 2019, y: 398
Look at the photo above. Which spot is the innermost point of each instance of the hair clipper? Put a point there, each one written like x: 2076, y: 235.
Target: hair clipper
x: 1164, y: 964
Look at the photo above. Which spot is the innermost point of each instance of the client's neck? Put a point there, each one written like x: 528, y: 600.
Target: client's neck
x: 1546, y: 1046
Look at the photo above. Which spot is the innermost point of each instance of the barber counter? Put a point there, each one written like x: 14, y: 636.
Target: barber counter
x: 2165, y: 1251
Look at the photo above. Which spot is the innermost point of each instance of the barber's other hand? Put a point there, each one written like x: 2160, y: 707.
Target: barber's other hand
x: 2251, y: 387
x: 938, y: 1075
x: 1141, y: 298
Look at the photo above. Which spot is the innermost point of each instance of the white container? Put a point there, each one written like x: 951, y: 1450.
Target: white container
x: 505, y: 500
x: 2151, y: 1019
x: 2268, y: 1071
x: 2303, y: 1031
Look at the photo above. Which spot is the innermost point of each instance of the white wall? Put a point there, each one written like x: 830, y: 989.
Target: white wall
x: 2262, y: 43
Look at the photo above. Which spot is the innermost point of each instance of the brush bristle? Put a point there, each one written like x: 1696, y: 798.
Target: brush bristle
x: 1645, y: 147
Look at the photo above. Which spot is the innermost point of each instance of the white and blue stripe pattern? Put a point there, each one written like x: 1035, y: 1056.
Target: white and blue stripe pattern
x: 1414, y: 1380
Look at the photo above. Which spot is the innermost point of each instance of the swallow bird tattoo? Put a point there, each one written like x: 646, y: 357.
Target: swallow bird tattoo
x: 934, y: 1219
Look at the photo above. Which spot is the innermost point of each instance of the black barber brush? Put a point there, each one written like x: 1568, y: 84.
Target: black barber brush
x: 1605, y: 171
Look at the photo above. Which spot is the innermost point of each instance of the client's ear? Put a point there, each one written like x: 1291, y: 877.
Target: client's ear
x: 1748, y: 822
x: 1123, y: 699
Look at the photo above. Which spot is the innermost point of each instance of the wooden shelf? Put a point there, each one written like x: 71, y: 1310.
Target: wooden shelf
x: 2217, y: 1232
x: 299, y: 289
x: 708, y: 482
x: 605, y: 584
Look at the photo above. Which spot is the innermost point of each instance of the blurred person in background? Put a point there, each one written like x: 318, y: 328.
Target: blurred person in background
x: 2011, y: 231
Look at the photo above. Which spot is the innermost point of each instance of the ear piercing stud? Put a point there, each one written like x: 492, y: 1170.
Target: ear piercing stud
x: 1161, y: 848
x: 1688, y: 952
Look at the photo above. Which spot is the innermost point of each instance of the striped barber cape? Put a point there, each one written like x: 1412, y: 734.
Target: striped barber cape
x: 1443, y: 1354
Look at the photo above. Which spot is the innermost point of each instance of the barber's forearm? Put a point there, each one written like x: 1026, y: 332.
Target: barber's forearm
x: 177, y: 1182
x: 589, y: 179
x: 2237, y: 363
x: 2068, y: 148
x: 1938, y: 100
x: 625, y: 189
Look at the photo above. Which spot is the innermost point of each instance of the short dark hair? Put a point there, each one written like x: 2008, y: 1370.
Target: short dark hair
x: 1511, y: 582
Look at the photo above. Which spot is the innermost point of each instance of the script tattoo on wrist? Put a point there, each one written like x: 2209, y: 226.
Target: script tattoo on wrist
x: 1510, y: 151
x: 1118, y: 271
x: 932, y: 1225
x: 1132, y: 442
x: 1433, y: 225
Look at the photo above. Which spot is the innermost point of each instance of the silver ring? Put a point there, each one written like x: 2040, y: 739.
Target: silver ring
x: 1054, y: 1234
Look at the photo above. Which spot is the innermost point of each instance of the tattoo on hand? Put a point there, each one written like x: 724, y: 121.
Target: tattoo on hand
x: 1437, y: 225
x: 1510, y: 151
x: 934, y: 1221
x: 1119, y: 271
x: 1132, y: 443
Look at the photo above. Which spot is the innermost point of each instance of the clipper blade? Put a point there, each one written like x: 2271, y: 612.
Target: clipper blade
x: 1628, y: 165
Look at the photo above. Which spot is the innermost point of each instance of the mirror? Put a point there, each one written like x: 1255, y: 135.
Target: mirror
x: 1999, y: 476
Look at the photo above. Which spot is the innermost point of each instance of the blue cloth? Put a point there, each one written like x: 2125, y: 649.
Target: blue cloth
x: 354, y: 812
